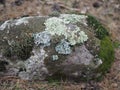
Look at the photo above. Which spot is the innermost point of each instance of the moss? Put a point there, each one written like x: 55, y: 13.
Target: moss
x: 20, y: 49
x: 106, y: 53
x: 100, y: 31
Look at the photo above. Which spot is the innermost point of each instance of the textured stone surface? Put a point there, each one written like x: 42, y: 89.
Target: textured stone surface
x: 64, y: 47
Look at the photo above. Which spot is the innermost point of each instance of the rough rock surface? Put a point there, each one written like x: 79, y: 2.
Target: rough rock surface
x: 50, y: 45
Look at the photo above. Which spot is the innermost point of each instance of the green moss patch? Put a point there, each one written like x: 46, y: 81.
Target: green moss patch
x: 99, y: 30
x: 106, y: 53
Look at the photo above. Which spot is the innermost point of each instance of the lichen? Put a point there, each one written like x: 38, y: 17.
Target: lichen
x: 34, y: 65
x: 11, y: 23
x: 63, y: 47
x: 55, y: 57
x: 5, y: 24
x: 82, y: 37
x: 42, y: 38
x: 23, y: 20
x: 64, y: 27
x: 97, y: 62
x: 73, y: 18
x: 55, y: 25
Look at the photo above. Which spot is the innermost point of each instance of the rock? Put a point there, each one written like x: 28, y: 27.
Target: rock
x: 3, y: 2
x: 97, y: 4
x: 80, y: 56
x: 2, y: 65
x: 115, y: 85
x: 18, y: 2
x: 12, y: 72
x: 35, y: 68
x: 75, y: 4
x: 39, y: 47
x: 56, y: 7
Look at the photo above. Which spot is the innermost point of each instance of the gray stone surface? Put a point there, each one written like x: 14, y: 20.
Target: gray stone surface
x: 50, y: 53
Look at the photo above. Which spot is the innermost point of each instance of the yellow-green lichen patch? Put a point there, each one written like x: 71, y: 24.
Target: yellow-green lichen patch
x: 61, y: 27
x: 55, y: 25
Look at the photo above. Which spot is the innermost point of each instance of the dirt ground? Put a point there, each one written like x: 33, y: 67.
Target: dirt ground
x: 107, y: 11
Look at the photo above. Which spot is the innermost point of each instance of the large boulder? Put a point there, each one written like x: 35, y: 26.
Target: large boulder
x: 67, y: 45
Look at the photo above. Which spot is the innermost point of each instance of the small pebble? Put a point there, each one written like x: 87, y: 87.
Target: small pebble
x: 96, y: 4
x: 114, y: 85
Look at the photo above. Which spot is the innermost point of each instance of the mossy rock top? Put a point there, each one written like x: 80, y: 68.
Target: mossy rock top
x: 68, y: 45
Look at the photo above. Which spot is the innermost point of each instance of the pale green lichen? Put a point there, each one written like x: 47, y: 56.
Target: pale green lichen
x: 55, y: 25
x: 55, y: 57
x: 63, y: 47
x: 63, y: 26
x: 82, y: 37
x: 42, y: 38
x: 73, y: 18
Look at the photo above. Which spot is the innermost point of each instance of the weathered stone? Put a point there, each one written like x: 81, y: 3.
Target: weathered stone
x: 49, y: 45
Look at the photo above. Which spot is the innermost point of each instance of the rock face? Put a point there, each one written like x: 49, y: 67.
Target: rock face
x: 38, y: 47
